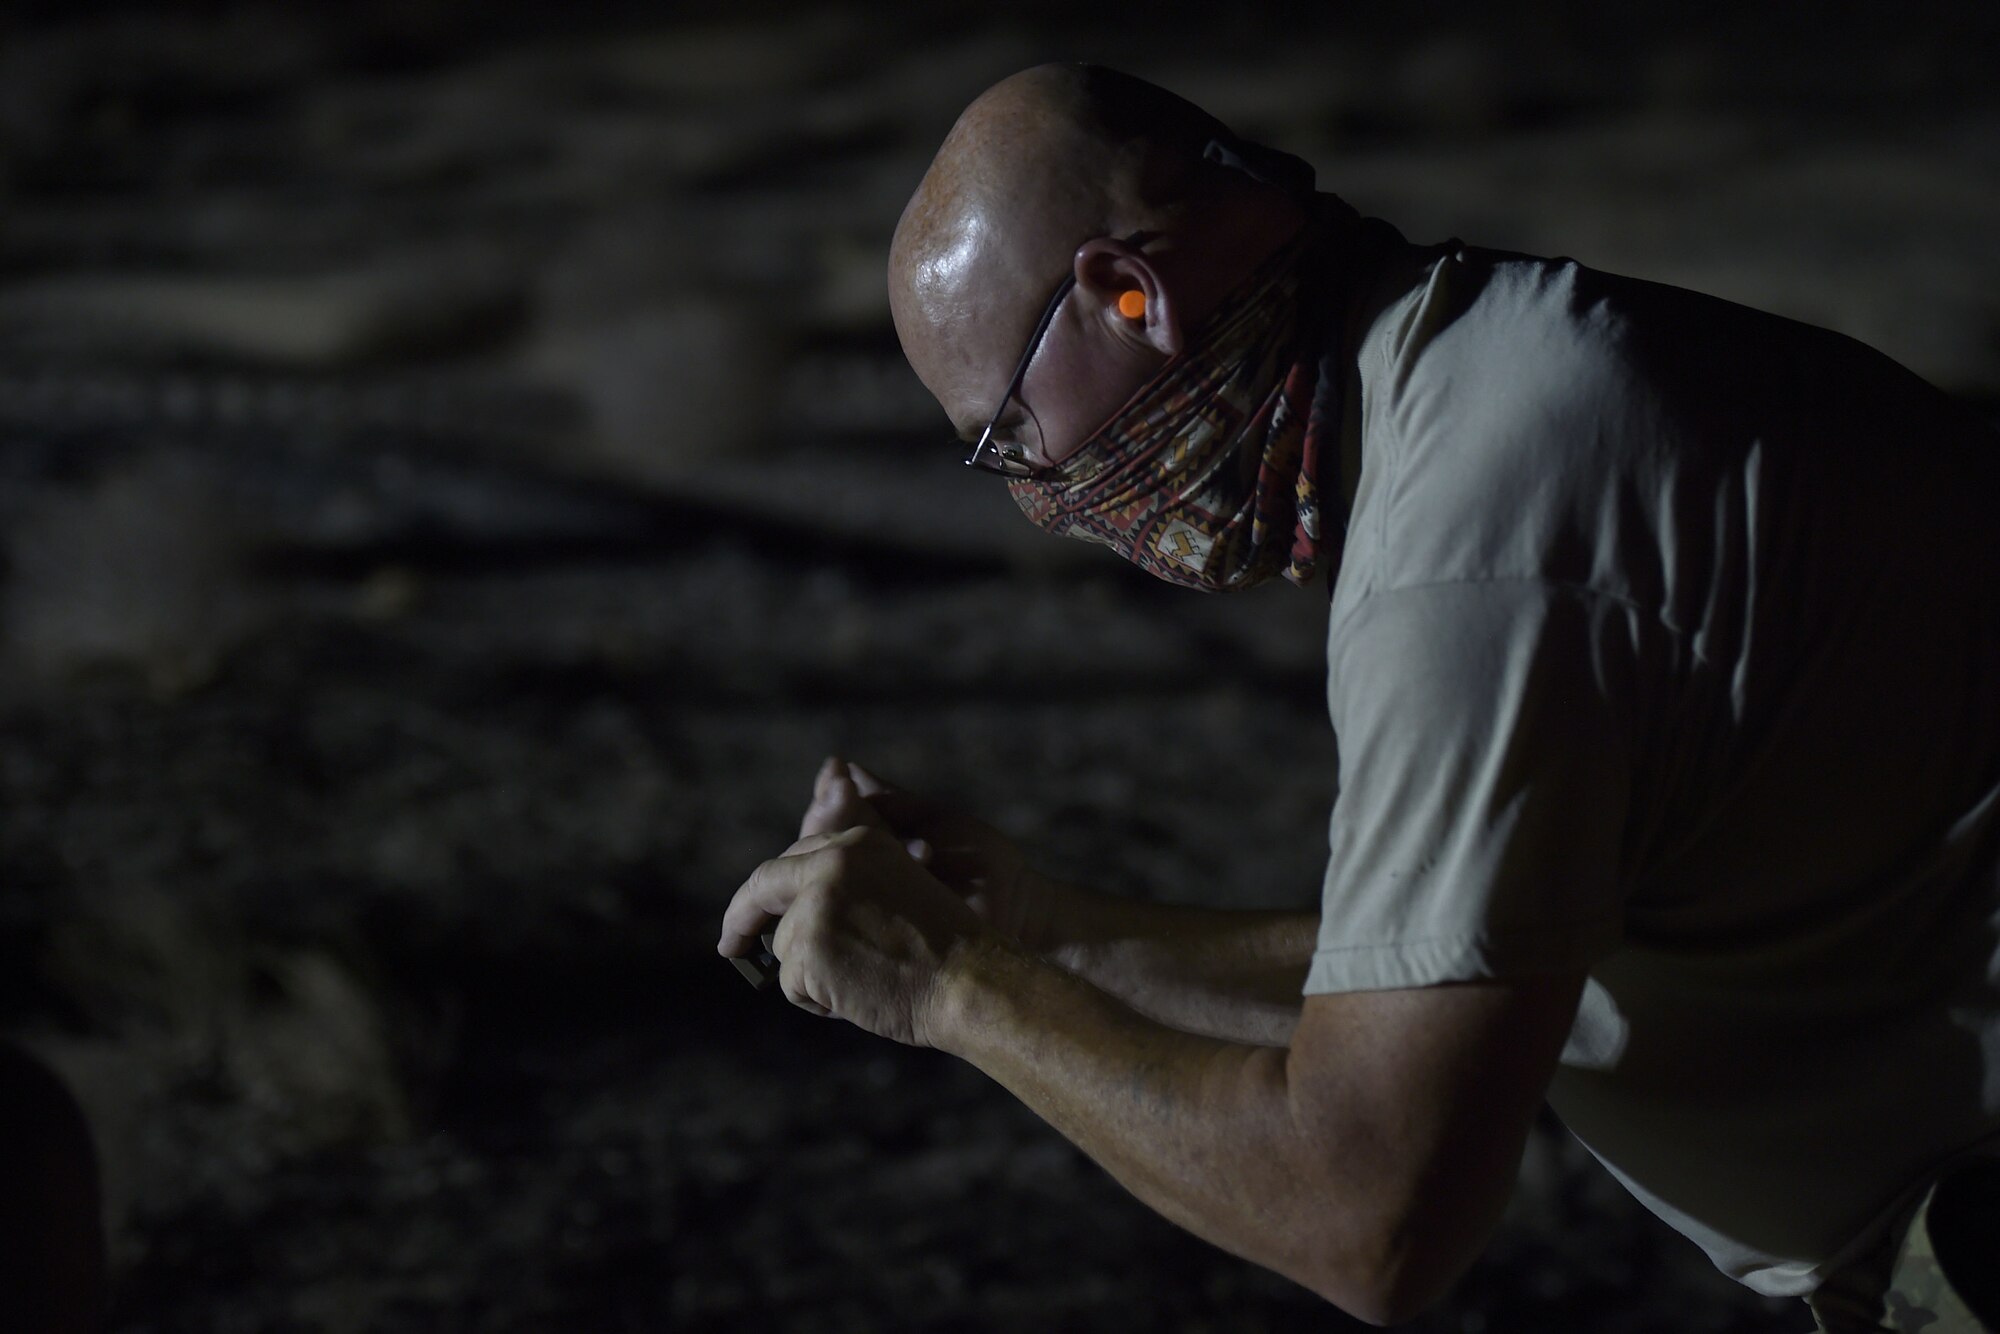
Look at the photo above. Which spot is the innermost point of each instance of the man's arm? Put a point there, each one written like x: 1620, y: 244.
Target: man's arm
x: 1369, y: 1161
x: 1228, y: 974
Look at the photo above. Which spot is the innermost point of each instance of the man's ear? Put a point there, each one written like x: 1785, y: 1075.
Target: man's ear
x: 1107, y: 270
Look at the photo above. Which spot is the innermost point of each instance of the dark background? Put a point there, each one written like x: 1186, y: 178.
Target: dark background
x: 458, y: 479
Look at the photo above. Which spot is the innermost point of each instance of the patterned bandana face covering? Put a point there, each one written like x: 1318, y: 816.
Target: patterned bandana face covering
x: 1208, y: 476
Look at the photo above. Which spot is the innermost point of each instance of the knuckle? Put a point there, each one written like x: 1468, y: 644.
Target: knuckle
x: 849, y: 856
x: 794, y: 990
x: 842, y: 857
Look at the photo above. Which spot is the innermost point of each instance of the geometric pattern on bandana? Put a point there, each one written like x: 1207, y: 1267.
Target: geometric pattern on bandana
x: 1209, y: 475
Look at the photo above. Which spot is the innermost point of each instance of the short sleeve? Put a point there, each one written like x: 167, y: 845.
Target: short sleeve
x: 1486, y: 738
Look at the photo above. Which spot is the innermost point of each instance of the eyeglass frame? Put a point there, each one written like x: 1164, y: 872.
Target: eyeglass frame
x: 1008, y: 460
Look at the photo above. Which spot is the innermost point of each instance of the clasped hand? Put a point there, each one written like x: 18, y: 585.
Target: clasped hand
x: 865, y: 931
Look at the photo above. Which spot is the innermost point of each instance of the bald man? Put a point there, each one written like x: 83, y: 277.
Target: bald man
x: 1662, y: 657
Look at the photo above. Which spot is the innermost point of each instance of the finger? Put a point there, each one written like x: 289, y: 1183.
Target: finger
x: 789, y: 982
x: 843, y: 799
x: 798, y: 997
x: 838, y: 805
x: 920, y: 851
x: 815, y: 819
x: 791, y: 977
x: 867, y: 782
x: 743, y: 922
x: 808, y: 844
x: 762, y: 900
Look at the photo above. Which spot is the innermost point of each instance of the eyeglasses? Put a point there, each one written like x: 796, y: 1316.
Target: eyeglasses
x: 1010, y: 460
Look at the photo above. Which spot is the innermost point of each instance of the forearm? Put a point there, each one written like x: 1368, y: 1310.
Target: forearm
x: 1228, y: 974
x: 1200, y: 1129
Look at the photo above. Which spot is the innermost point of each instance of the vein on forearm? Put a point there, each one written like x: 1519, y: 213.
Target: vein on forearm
x: 1199, y: 1128
x: 1232, y: 974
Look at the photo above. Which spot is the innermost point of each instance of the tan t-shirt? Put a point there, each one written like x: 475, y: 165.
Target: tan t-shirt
x: 1666, y: 645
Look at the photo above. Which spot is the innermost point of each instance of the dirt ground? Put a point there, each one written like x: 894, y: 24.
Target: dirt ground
x: 458, y: 480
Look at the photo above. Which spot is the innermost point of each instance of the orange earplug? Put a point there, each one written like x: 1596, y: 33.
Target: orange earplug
x: 1132, y: 304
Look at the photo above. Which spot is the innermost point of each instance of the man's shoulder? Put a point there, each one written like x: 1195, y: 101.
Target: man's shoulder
x: 1489, y: 337
x: 1519, y: 415
x: 1501, y: 399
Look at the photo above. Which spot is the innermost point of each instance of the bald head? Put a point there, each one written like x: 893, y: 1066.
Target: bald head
x: 1041, y: 161
x: 1039, y: 164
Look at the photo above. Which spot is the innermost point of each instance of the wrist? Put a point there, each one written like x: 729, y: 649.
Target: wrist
x: 975, y: 971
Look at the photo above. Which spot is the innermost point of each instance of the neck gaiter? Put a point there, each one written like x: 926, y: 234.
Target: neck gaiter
x: 1209, y: 476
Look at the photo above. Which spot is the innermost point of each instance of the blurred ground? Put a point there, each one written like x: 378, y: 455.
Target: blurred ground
x: 458, y: 480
